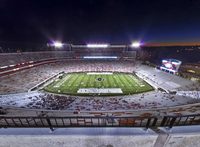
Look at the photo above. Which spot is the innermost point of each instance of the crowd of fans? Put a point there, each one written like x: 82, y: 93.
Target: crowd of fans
x: 15, y: 58
x: 40, y: 100
x: 193, y: 94
x: 23, y: 80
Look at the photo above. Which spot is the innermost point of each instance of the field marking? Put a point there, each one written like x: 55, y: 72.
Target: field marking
x: 62, y: 82
x: 99, y: 73
x: 137, y: 81
x: 88, y: 84
x: 99, y: 90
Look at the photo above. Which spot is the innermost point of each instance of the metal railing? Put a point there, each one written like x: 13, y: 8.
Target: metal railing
x: 91, y: 121
x: 184, y: 120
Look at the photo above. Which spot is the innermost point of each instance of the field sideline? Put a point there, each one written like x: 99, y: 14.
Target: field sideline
x: 71, y: 83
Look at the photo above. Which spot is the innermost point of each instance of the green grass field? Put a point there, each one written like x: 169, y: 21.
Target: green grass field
x: 72, y: 82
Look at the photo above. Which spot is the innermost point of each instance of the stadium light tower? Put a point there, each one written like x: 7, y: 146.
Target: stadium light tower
x: 135, y: 45
x: 58, y: 44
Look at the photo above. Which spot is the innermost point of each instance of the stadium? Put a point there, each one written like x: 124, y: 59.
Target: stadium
x: 99, y: 73
x: 95, y: 85
x: 73, y: 78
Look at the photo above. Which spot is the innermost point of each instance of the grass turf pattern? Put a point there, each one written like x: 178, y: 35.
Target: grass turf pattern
x: 72, y: 82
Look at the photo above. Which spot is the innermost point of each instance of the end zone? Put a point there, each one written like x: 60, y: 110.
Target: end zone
x: 99, y: 90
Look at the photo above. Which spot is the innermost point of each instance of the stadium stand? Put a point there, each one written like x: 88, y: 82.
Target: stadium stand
x: 15, y: 58
x: 173, y: 96
x: 37, y: 74
x: 21, y: 81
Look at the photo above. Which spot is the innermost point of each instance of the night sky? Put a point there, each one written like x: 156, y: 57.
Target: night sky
x: 113, y: 21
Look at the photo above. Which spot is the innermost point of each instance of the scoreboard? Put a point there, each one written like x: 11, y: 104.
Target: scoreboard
x: 171, y: 65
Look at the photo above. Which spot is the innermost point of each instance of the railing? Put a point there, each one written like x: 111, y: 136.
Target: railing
x: 58, y: 122
x: 184, y: 120
x: 108, y: 121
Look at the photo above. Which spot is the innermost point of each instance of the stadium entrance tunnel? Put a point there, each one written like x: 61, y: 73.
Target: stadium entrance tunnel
x: 97, y: 84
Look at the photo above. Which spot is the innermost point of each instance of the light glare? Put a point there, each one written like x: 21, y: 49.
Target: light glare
x: 135, y: 44
x: 97, y: 45
x: 58, y: 44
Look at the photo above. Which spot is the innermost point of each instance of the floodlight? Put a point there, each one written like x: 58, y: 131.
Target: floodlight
x: 97, y: 45
x: 58, y: 44
x: 135, y: 44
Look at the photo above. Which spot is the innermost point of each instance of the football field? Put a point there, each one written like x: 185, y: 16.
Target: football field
x: 98, y: 83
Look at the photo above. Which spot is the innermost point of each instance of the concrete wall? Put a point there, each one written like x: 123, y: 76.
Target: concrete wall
x: 101, y: 137
x: 78, y: 137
